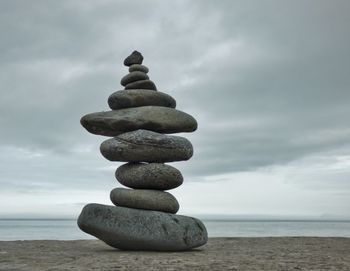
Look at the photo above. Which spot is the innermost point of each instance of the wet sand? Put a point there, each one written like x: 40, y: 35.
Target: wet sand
x: 275, y: 253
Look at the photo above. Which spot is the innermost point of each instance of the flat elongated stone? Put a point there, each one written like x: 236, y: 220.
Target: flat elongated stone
x: 138, y: 67
x: 149, y: 176
x: 146, y: 146
x: 133, y: 77
x: 142, y: 84
x: 139, y: 97
x: 155, y: 118
x: 146, y: 199
x: 135, y: 229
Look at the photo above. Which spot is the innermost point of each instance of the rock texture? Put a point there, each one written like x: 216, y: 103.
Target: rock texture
x: 139, y: 68
x: 134, y: 229
x: 141, y: 84
x: 144, y: 216
x: 149, y: 176
x: 146, y: 199
x: 155, y: 118
x: 139, y: 97
x: 133, y: 77
x: 135, y: 58
x: 146, y: 146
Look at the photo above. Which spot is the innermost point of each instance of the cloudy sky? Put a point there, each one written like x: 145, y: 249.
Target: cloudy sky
x: 267, y: 81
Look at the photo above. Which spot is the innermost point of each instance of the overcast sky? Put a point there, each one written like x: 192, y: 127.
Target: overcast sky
x: 267, y: 81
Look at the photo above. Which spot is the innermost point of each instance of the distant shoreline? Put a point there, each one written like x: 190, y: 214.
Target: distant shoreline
x: 262, y: 253
x: 67, y: 229
x: 204, y: 219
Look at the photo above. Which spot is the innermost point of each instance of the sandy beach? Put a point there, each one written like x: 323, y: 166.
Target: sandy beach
x: 275, y: 253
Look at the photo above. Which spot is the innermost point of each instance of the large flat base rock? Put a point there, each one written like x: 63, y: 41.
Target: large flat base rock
x: 134, y: 229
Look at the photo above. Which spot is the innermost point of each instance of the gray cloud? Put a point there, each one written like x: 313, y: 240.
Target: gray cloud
x: 268, y: 82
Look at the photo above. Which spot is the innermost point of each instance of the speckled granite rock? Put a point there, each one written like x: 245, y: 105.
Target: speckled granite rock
x: 149, y: 176
x: 134, y: 229
x: 155, y: 118
x: 146, y: 146
x: 146, y: 199
x: 139, y: 97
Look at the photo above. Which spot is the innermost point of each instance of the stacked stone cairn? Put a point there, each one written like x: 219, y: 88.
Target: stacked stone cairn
x: 144, y: 216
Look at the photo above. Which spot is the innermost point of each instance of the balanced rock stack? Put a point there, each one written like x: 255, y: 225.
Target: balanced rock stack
x: 144, y: 217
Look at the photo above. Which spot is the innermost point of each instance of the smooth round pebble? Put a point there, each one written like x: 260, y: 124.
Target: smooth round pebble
x: 146, y: 199
x: 138, y: 67
x: 149, y: 176
x: 146, y: 146
x: 139, y: 97
x: 142, y: 84
x: 133, y: 77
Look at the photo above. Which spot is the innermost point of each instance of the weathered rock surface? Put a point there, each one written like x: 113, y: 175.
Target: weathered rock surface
x: 146, y: 199
x: 149, y: 176
x: 141, y: 84
x: 146, y: 146
x: 134, y: 229
x: 139, y: 97
x: 155, y: 118
x: 138, y: 67
x: 135, y: 58
x: 133, y: 77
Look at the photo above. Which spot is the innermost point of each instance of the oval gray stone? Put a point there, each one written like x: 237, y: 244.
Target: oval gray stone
x: 142, y: 84
x: 139, y: 97
x: 135, y: 229
x: 155, y: 118
x: 146, y: 199
x: 146, y: 146
x: 149, y: 176
x: 132, y: 77
x: 139, y: 68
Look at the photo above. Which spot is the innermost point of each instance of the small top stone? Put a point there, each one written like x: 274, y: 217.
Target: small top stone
x: 134, y: 58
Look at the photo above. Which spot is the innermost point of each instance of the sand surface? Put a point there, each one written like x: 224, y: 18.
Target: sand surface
x: 276, y: 253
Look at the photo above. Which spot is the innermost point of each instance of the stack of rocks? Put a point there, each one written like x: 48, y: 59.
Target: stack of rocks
x: 143, y: 217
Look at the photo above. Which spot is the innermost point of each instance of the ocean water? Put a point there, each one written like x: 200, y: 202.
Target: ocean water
x: 68, y: 229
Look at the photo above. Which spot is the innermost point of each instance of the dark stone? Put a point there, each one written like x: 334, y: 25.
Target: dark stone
x: 149, y: 176
x: 133, y: 77
x: 142, y: 84
x: 139, y: 97
x: 137, y: 67
x: 146, y: 146
x: 155, y: 118
x: 146, y: 199
x: 134, y: 58
x: 135, y: 229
